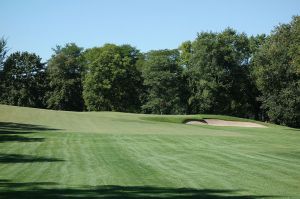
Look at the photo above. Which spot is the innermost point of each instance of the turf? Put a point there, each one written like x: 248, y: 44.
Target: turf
x: 58, y: 154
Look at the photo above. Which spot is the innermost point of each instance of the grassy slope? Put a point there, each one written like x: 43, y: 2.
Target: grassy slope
x: 111, y: 155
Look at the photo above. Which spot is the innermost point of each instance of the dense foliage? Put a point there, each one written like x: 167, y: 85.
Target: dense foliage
x: 64, y: 72
x: 162, y: 78
x: 220, y: 73
x: 277, y: 72
x: 3, y: 51
x: 112, y: 81
x: 23, y: 80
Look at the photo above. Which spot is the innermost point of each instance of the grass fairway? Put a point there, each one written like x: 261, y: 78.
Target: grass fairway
x: 56, y: 154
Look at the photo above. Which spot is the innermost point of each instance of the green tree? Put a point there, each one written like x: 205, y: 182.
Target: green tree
x: 23, y: 80
x: 163, y: 79
x: 185, y: 50
x: 255, y: 42
x: 219, y: 74
x: 277, y: 73
x: 112, y: 82
x: 64, y: 72
x: 3, y: 51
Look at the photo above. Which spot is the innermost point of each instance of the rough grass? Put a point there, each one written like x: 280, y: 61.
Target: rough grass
x: 57, y: 154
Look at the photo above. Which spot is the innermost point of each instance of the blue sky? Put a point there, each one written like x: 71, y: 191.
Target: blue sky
x: 39, y: 25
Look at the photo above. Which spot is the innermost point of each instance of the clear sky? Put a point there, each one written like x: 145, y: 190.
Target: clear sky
x: 39, y: 25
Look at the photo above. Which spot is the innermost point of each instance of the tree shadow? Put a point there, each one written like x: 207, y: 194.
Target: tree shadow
x: 18, y: 138
x: 9, y: 132
x: 3, y: 132
x: 17, y: 158
x: 20, y: 128
x: 48, y: 190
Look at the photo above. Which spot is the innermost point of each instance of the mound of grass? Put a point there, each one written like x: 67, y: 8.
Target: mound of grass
x: 185, y: 118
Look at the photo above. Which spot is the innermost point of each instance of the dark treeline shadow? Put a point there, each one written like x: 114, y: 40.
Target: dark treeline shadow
x: 9, y: 190
x: 18, y: 158
x: 10, y: 132
x: 19, y: 128
x: 18, y: 138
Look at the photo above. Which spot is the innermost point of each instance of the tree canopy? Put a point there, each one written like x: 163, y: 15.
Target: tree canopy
x: 219, y: 73
x: 112, y: 81
x: 3, y: 51
x: 162, y: 78
x: 277, y: 72
x: 64, y: 72
x: 23, y: 80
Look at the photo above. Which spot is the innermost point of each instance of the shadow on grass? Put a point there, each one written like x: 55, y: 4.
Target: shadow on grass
x: 18, y: 138
x: 20, y: 128
x: 17, y: 158
x: 47, y: 190
x: 10, y: 132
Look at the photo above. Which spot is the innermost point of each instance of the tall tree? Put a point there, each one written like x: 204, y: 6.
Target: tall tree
x: 255, y: 42
x: 277, y: 72
x: 163, y: 78
x: 3, y: 51
x: 219, y: 75
x: 23, y: 80
x: 65, y: 70
x: 185, y: 50
x: 112, y: 82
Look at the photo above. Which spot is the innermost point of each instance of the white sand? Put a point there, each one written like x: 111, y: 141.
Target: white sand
x: 216, y: 122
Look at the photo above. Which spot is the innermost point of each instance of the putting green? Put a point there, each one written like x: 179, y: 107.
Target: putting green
x: 58, y: 154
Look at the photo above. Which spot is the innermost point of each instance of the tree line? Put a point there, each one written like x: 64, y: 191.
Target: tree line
x: 217, y: 73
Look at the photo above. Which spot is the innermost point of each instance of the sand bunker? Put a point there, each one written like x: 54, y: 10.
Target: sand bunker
x: 216, y: 122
